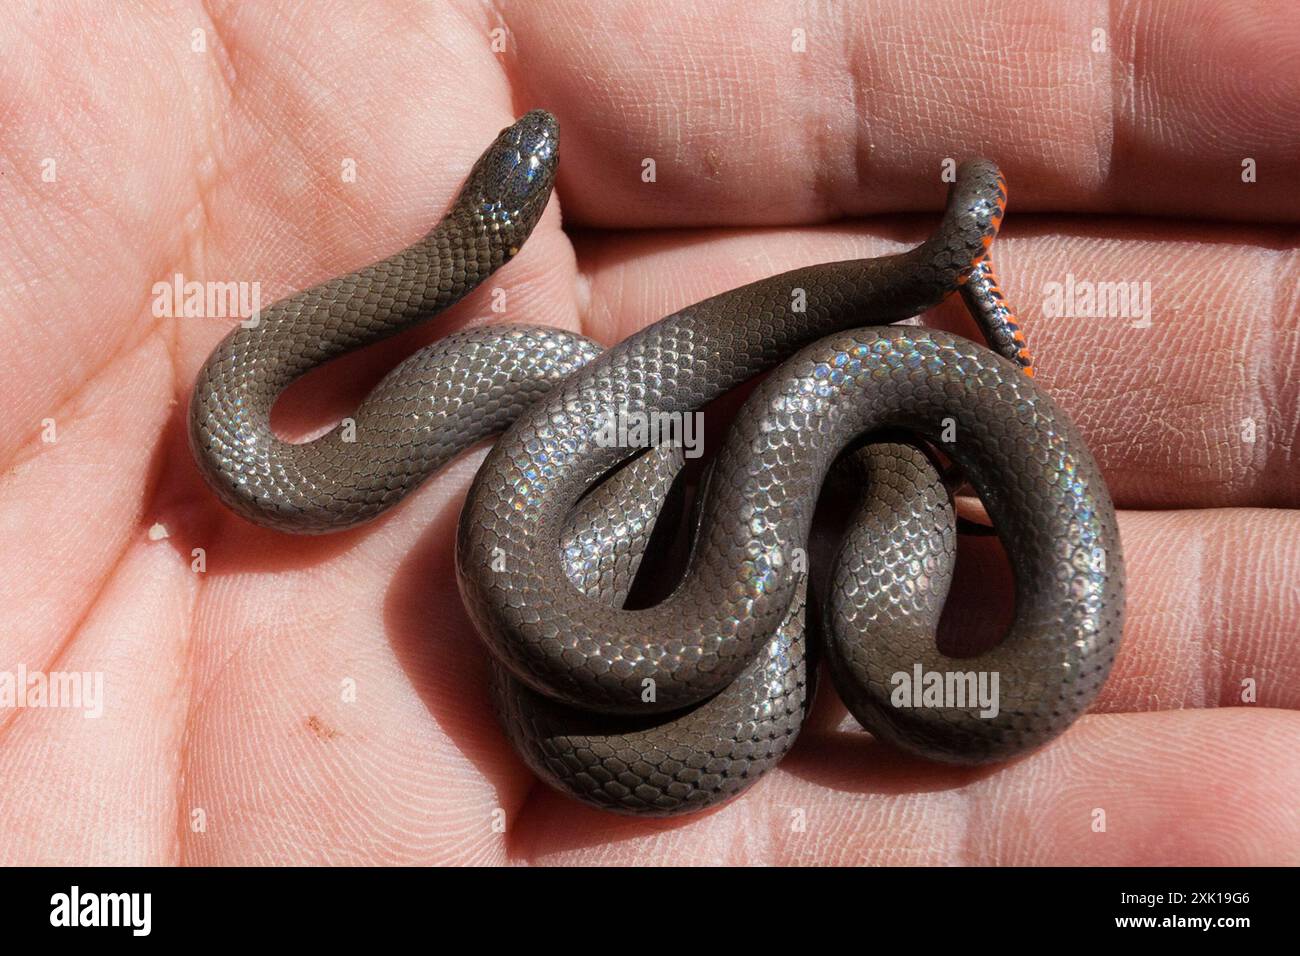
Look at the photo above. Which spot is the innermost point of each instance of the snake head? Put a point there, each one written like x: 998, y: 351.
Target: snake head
x: 512, y: 180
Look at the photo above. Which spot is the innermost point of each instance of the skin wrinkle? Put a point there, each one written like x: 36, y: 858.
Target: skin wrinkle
x: 186, y: 666
x: 1251, y: 657
x: 197, y: 699
x: 582, y: 300
x: 1266, y: 366
x: 1258, y: 360
x: 208, y: 173
x: 182, y: 782
x: 157, y: 476
x: 205, y: 168
x: 33, y: 446
x: 967, y: 840
x: 16, y: 457
x: 227, y: 72
x: 63, y: 646
x: 74, y: 403
x: 819, y: 133
x: 1288, y: 433
x: 511, y: 74
x: 1210, y: 607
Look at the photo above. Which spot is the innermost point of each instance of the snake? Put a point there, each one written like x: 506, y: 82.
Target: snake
x: 679, y: 704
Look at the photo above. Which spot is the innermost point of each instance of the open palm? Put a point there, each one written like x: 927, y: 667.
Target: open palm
x: 274, y: 699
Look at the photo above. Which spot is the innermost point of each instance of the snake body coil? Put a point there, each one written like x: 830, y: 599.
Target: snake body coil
x: 677, y: 706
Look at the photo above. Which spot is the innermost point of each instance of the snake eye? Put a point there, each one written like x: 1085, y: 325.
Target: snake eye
x: 520, y: 166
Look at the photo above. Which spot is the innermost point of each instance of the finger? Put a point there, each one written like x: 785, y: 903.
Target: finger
x: 1101, y: 795
x: 1210, y: 610
x: 1101, y: 109
x: 1184, y: 391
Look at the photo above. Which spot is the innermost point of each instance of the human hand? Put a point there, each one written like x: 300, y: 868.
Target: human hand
x: 324, y: 700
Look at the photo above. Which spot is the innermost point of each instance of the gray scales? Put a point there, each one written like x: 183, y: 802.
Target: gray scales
x: 726, y: 652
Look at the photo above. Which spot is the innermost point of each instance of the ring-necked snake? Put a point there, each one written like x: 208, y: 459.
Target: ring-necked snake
x: 679, y: 705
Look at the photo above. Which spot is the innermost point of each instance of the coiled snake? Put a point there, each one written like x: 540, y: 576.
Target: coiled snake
x: 677, y: 706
